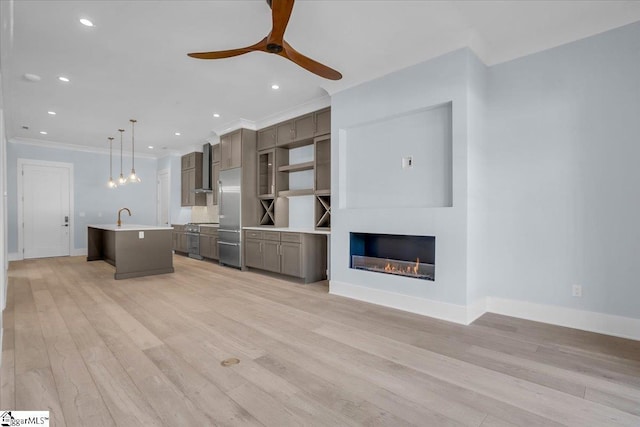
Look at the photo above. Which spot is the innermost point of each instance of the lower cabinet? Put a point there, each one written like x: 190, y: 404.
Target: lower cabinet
x: 302, y: 255
x: 209, y: 244
x: 179, y: 239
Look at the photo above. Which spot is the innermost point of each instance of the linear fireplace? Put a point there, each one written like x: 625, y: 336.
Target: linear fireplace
x: 400, y: 255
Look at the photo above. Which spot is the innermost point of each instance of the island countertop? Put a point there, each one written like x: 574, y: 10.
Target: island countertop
x: 128, y: 227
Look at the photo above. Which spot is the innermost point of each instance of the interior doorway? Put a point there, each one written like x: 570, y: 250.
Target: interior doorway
x: 45, y: 208
x: 164, y: 194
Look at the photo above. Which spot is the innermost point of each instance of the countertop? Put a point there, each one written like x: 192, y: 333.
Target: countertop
x: 128, y: 227
x: 289, y: 230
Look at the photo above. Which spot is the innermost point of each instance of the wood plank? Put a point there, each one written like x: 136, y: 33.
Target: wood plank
x: 150, y: 349
x: 219, y: 407
x: 79, y: 397
x: 36, y: 390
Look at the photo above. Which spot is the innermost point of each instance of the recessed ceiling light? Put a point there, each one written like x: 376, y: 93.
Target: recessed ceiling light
x: 43, y: 132
x: 63, y: 79
x: 86, y: 22
x: 216, y: 115
x: 150, y: 147
x: 32, y: 77
x: 177, y: 133
x: 53, y: 113
x: 275, y: 87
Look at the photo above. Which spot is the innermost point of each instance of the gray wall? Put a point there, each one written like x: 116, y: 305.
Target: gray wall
x: 564, y: 150
x: 91, y: 194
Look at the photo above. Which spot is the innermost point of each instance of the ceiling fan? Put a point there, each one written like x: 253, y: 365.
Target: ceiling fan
x: 275, y: 43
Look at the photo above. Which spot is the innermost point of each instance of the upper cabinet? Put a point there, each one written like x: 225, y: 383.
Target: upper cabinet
x: 301, y: 130
x: 267, y: 138
x: 323, y: 122
x: 231, y: 150
x: 191, y: 178
x: 215, y: 153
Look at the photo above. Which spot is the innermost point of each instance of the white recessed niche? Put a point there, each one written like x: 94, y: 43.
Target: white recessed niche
x: 403, y: 161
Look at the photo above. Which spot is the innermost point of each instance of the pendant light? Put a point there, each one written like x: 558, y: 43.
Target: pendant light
x: 133, y: 177
x: 111, y: 183
x: 121, y: 180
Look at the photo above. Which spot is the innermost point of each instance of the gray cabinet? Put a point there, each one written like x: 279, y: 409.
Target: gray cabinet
x: 301, y: 255
x: 179, y: 238
x: 304, y: 127
x: 209, y: 242
x: 215, y: 178
x: 253, y: 253
x: 296, y: 130
x: 191, y: 178
x: 323, y: 122
x: 284, y: 133
x: 267, y: 138
x: 231, y: 150
x: 291, y: 259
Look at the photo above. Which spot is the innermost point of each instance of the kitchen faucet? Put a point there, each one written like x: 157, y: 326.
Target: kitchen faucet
x: 119, y: 212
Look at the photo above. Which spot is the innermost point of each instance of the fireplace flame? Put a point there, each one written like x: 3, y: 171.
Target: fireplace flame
x: 409, y: 270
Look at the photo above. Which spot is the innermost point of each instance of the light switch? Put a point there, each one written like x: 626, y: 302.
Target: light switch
x: 140, y: 234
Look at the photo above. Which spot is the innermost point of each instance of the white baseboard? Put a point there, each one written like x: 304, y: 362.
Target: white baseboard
x: 476, y: 309
x: 609, y: 324
x: 16, y: 256
x: 426, y: 307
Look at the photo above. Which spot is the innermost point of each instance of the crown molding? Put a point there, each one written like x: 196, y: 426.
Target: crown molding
x: 281, y: 116
x: 73, y: 147
x: 300, y: 109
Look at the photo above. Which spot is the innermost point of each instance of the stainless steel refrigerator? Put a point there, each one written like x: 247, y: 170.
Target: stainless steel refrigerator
x: 229, y: 205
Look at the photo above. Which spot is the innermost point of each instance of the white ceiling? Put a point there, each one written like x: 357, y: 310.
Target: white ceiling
x: 133, y: 63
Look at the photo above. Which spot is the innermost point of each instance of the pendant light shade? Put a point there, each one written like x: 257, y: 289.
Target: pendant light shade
x: 121, y: 179
x: 133, y: 177
x: 111, y: 183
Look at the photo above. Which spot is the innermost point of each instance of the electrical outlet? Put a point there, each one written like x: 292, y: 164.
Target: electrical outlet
x: 407, y: 162
x: 140, y: 234
x: 577, y: 290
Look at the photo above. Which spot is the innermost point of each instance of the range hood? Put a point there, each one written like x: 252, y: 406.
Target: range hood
x: 206, y: 170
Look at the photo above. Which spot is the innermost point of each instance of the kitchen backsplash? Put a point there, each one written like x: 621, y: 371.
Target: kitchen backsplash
x: 207, y: 213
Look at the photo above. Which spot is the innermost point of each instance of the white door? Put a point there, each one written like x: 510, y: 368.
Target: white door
x: 46, y: 211
x: 163, y: 197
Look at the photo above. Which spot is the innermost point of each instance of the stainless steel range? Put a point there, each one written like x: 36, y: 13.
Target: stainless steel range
x: 193, y: 240
x: 192, y: 230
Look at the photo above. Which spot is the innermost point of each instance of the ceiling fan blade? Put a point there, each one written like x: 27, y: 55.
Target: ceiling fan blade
x: 280, y: 14
x: 308, y: 63
x: 261, y: 45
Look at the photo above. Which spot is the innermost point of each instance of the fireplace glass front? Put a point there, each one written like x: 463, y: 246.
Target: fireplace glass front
x: 400, y: 255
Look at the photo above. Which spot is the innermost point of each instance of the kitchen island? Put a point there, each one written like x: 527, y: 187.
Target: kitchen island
x: 134, y: 250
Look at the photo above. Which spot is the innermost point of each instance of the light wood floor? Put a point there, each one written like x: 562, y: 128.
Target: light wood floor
x: 147, y: 351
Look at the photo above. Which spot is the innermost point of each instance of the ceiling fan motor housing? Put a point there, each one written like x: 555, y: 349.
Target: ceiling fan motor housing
x: 274, y: 48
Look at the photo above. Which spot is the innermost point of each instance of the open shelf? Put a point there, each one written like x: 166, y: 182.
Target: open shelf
x: 298, y: 167
x: 294, y: 193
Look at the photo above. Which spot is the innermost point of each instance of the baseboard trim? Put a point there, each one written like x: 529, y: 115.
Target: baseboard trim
x: 476, y: 309
x: 79, y: 252
x: 426, y: 307
x: 14, y: 256
x: 608, y: 324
